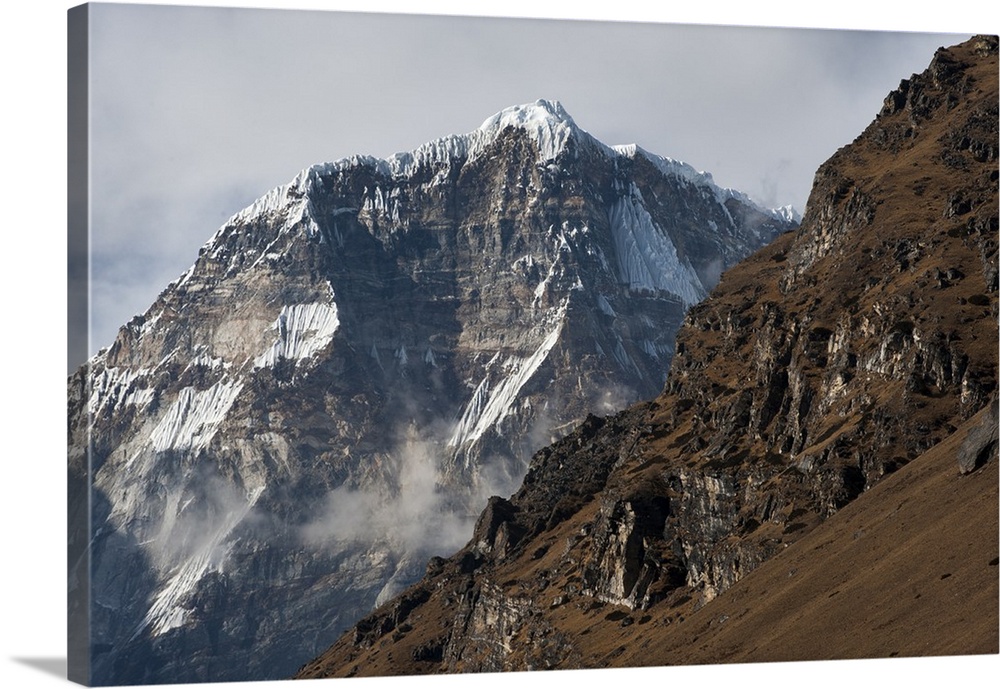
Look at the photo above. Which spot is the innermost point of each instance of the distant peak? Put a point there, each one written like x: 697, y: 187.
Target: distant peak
x: 788, y: 213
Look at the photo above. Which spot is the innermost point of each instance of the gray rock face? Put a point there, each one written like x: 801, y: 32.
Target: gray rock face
x: 980, y: 445
x: 326, y: 398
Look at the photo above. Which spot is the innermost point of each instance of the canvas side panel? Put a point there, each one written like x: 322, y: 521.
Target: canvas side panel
x: 78, y: 315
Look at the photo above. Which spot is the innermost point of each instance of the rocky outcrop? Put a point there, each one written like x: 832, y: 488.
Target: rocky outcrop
x: 980, y: 445
x: 354, y: 363
x: 866, y: 338
x: 829, y: 360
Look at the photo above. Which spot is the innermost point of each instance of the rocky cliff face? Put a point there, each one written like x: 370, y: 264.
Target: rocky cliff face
x: 325, y: 399
x: 833, y: 358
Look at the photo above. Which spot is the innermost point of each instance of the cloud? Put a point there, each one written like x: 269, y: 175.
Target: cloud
x: 414, y: 514
x: 198, y: 514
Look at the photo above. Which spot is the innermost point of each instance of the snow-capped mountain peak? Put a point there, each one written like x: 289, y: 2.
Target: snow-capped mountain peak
x: 550, y: 112
x: 361, y: 357
x: 546, y: 122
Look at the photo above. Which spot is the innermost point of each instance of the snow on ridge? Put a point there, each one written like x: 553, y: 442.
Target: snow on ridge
x: 303, y: 330
x: 541, y: 112
x: 167, y: 610
x: 192, y: 420
x: 788, y: 214
x: 490, y: 404
x: 671, y: 167
x: 647, y: 258
x: 291, y: 199
x: 546, y: 122
x: 118, y: 386
x: 605, y: 306
x: 277, y: 198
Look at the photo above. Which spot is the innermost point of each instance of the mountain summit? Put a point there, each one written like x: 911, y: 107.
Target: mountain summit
x: 353, y: 364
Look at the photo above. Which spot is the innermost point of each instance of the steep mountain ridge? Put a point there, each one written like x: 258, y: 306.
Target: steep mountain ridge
x: 836, y: 356
x: 353, y: 363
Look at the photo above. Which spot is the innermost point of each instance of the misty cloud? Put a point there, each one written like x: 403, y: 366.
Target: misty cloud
x: 416, y: 515
x: 195, y: 520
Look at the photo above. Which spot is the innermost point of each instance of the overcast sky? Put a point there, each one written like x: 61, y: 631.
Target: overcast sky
x: 198, y: 111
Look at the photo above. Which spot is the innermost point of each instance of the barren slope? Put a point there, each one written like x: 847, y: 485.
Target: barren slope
x: 907, y: 569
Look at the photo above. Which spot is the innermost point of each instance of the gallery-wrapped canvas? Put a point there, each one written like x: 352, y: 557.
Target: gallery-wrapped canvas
x: 408, y: 344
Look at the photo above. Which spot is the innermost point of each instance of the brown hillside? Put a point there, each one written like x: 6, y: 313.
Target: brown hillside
x: 907, y: 569
x: 795, y: 491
